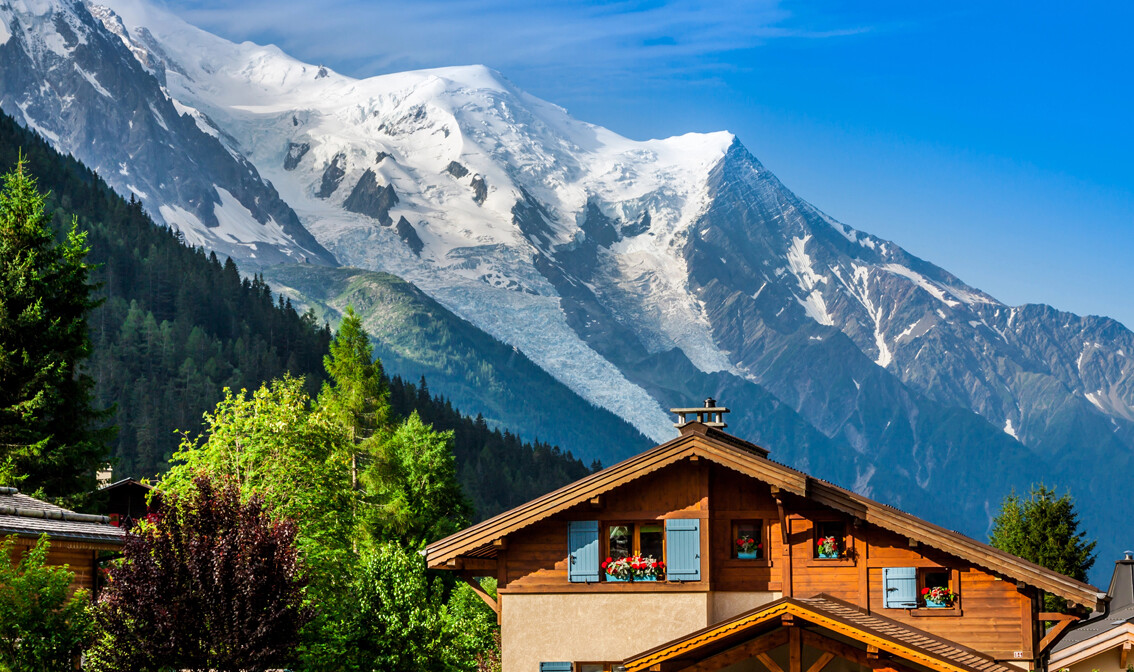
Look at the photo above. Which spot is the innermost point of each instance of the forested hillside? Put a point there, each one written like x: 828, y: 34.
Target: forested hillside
x: 176, y: 326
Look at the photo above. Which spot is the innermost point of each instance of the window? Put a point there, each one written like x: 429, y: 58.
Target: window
x: 830, y: 539
x: 910, y: 588
x: 748, y: 539
x: 629, y: 539
x: 594, y: 667
x: 937, y: 588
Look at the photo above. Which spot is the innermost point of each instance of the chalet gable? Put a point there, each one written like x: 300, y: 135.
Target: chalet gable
x: 700, y: 441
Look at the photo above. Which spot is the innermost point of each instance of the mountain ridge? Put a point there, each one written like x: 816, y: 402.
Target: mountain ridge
x: 640, y: 274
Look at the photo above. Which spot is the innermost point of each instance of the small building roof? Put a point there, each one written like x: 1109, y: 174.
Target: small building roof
x: 700, y: 440
x: 1116, y: 617
x: 26, y: 516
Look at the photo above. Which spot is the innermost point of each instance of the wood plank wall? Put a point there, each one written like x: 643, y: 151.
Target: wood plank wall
x: 79, y: 558
x: 992, y: 617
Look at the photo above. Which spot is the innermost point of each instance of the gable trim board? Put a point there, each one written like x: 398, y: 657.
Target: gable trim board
x: 841, y: 618
x: 701, y: 441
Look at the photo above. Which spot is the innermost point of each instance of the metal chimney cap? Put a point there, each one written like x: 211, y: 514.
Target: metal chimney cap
x: 709, y: 415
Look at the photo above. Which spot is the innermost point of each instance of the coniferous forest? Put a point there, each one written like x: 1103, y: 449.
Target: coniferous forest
x: 177, y: 325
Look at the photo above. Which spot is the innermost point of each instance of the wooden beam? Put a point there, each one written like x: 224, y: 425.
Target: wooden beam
x: 756, y: 647
x: 769, y: 663
x: 1124, y: 655
x: 871, y: 652
x: 487, y: 565
x: 1055, y: 616
x: 482, y: 594
x: 1053, y: 635
x: 818, y: 665
x: 780, y: 510
x: 795, y: 651
x: 848, y: 652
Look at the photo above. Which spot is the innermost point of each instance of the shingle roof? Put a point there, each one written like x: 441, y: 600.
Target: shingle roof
x: 830, y: 614
x: 26, y: 516
x: 904, y: 634
x: 1118, y: 612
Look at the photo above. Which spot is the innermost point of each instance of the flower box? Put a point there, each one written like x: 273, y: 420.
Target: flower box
x: 747, y: 548
x: 938, y: 597
x: 827, y: 548
x: 633, y: 568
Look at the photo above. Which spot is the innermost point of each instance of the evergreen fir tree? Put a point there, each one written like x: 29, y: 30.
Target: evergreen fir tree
x: 1045, y: 530
x: 49, y: 435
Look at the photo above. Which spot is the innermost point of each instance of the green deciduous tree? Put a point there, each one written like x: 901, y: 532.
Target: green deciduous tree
x: 1044, y: 528
x: 412, y: 484
x: 275, y: 447
x: 49, y: 437
x: 43, y: 627
x: 403, y: 622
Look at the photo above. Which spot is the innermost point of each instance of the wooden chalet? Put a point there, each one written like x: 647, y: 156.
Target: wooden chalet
x: 766, y: 569
x: 77, y: 539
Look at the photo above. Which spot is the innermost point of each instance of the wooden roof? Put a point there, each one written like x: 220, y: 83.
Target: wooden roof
x: 29, y: 517
x: 829, y: 613
x: 699, y: 440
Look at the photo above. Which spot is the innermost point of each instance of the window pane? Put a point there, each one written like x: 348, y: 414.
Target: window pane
x: 936, y: 579
x: 650, y: 541
x: 749, y: 541
x: 621, y: 541
x: 832, y: 530
x: 591, y: 667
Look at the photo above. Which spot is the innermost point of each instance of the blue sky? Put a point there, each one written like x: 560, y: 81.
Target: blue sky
x: 994, y: 139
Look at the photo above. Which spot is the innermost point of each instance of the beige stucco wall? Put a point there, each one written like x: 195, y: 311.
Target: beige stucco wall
x: 724, y: 605
x: 1107, y: 661
x: 593, y: 626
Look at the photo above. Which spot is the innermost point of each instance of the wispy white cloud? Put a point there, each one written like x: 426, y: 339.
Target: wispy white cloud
x: 602, y: 40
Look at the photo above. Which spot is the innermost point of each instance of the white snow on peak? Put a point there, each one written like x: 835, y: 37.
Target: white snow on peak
x: 1009, y: 429
x: 408, y: 130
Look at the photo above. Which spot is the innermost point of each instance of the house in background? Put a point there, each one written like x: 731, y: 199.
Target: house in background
x: 127, y: 501
x: 77, y: 539
x: 762, y: 568
x: 1104, y: 641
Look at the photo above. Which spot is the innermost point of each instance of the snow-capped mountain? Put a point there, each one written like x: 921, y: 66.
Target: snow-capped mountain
x: 649, y: 274
x: 65, y: 72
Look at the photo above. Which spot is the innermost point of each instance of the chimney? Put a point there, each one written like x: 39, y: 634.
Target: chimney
x: 709, y: 415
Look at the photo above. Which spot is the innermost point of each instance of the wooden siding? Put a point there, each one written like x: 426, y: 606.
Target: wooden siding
x: 535, y: 560
x: 993, y: 616
x: 79, y: 558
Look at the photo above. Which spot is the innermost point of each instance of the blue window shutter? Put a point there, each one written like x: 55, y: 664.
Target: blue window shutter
x: 683, y: 549
x: 583, y: 553
x: 899, y: 587
x: 555, y: 667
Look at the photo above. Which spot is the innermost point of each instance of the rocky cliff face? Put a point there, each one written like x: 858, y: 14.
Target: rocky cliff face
x: 66, y: 72
x: 644, y: 275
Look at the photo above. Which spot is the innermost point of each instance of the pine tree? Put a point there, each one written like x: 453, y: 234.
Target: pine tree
x: 1045, y: 530
x: 49, y: 435
x: 356, y: 395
